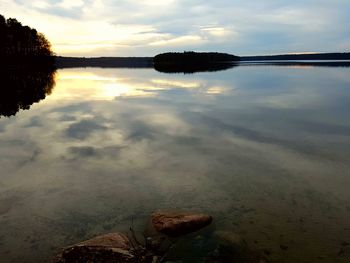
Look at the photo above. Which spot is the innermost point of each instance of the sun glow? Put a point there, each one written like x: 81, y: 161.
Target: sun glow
x: 215, y: 90
x: 72, y: 85
x: 176, y: 83
x: 89, y: 85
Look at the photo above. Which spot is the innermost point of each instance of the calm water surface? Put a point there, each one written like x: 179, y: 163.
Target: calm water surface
x: 264, y: 149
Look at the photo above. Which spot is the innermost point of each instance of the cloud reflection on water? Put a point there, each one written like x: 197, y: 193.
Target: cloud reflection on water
x: 89, y: 85
x: 91, y: 155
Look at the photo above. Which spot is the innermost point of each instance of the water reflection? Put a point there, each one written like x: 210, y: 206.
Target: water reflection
x: 193, y: 68
x: 109, y: 84
x: 21, y: 88
x: 265, y: 150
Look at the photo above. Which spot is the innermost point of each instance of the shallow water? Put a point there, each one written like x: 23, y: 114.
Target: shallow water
x: 264, y: 149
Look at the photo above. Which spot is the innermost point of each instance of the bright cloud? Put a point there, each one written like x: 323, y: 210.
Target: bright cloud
x: 71, y: 4
x: 177, y: 41
x: 136, y: 28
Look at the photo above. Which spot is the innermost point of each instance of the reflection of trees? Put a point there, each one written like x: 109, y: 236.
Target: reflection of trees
x: 20, y: 88
x: 192, y: 68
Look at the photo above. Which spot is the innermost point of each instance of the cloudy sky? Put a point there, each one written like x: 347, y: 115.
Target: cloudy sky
x: 145, y: 28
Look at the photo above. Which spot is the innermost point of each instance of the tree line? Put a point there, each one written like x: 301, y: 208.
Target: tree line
x: 17, y: 40
x: 191, y: 62
x: 313, y: 56
x: 190, y: 57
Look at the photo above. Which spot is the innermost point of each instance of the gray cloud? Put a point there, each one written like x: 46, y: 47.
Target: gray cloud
x: 83, y: 152
x: 34, y: 122
x: 67, y: 117
x: 83, y: 129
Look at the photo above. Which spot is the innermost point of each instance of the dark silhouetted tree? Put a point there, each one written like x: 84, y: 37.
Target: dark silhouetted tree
x: 190, y: 62
x: 18, y: 40
x: 27, y: 71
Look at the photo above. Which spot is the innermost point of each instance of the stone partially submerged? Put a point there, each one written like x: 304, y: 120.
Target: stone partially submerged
x: 117, y: 247
x: 177, y: 224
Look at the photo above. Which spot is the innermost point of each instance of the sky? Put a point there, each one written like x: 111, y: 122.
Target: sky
x: 145, y: 28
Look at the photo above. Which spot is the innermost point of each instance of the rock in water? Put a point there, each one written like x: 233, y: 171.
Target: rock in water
x: 112, y: 240
x: 233, y: 248
x: 113, y: 247
x: 235, y: 241
x: 177, y: 224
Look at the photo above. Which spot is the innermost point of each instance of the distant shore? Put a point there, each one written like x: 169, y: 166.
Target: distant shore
x: 104, y: 62
x: 147, y: 62
x: 313, y: 56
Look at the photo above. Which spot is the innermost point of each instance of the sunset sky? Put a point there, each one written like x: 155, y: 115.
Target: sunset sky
x: 145, y: 28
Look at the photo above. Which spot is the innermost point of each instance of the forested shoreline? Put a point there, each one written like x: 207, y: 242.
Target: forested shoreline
x: 20, y: 44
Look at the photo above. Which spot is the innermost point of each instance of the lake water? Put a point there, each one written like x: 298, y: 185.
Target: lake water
x: 263, y: 149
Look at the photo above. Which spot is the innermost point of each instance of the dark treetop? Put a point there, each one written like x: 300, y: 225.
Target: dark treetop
x: 20, y: 43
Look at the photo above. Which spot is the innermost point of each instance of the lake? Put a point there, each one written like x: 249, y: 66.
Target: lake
x: 264, y: 149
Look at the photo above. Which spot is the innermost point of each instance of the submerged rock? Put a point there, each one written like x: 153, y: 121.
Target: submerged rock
x: 233, y: 248
x: 115, y: 240
x: 113, y: 247
x: 117, y: 247
x: 177, y: 224
x: 235, y: 241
